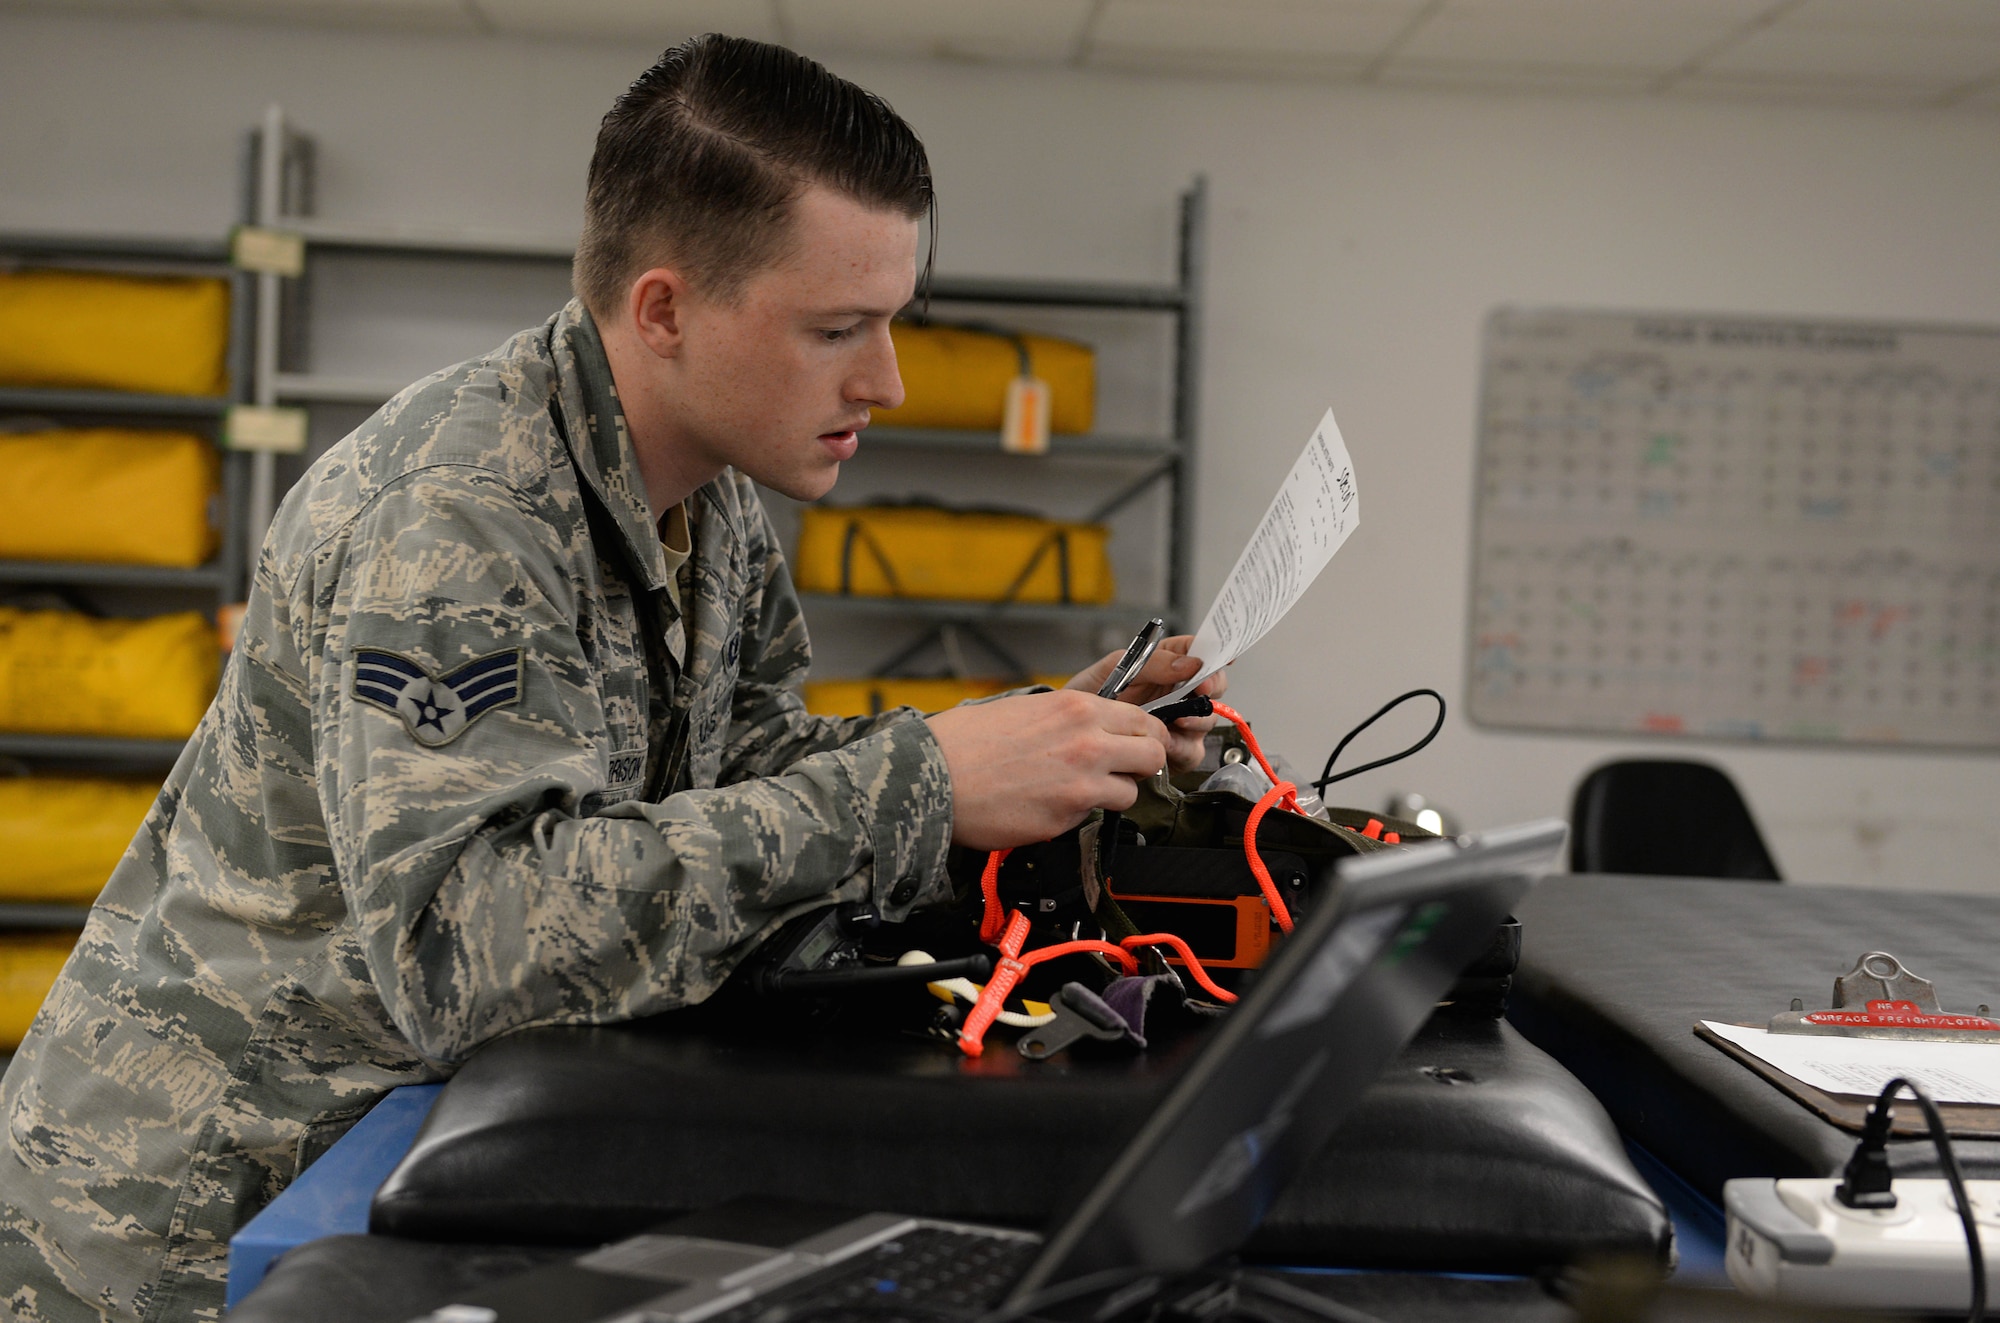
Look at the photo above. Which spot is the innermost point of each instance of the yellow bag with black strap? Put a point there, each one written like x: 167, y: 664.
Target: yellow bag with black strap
x: 165, y: 335
x: 116, y: 495
x: 928, y: 551
x: 65, y: 673
x: 29, y: 963
x: 60, y: 836
x: 957, y: 376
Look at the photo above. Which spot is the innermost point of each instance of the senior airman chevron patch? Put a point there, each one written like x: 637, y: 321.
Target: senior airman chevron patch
x: 436, y: 709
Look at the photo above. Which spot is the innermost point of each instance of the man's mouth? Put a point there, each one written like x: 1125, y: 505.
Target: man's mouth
x: 842, y: 443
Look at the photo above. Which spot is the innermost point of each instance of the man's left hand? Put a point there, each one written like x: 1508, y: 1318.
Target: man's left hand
x: 1168, y: 667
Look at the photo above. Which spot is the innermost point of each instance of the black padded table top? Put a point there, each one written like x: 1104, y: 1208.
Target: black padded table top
x: 1616, y: 971
x: 1472, y: 1151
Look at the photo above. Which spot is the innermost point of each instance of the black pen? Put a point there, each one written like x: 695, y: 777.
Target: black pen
x: 1128, y: 667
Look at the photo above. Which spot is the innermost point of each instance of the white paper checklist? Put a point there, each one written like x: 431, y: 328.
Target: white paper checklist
x: 1953, y: 1072
x: 1312, y: 514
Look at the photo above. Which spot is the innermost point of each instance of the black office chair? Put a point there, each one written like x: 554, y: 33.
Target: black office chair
x: 1681, y: 819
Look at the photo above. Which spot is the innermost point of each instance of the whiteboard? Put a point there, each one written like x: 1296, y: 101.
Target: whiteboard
x: 1739, y: 528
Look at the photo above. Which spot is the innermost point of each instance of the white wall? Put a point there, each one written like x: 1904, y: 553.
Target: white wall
x: 1359, y: 238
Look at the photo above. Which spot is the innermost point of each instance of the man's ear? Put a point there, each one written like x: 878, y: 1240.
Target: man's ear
x: 657, y: 303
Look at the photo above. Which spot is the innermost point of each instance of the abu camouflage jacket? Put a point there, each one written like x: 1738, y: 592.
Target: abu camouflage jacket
x: 471, y: 769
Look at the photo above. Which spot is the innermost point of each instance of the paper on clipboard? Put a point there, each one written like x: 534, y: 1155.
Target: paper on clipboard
x: 1949, y: 1072
x: 1312, y: 514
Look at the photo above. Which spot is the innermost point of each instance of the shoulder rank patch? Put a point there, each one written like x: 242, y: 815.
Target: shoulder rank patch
x: 437, y: 708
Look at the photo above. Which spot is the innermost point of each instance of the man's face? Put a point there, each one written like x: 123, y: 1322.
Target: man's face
x: 778, y: 382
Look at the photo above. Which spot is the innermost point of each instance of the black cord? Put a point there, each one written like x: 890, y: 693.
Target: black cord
x: 1326, y: 776
x: 1884, y: 1108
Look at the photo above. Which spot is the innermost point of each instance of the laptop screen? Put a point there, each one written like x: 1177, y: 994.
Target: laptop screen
x: 1342, y: 996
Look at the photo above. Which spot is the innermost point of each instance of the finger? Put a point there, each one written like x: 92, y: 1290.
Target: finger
x: 1093, y: 676
x: 1170, y: 665
x: 1187, y: 752
x: 1136, y: 755
x: 1118, y: 717
x: 1117, y: 793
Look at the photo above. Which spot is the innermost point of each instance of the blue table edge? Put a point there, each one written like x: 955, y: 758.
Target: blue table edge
x: 331, y: 1197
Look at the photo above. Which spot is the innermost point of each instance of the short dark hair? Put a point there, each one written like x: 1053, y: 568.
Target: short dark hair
x: 698, y: 163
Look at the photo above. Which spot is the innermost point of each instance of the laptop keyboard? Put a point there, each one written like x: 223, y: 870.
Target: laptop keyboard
x: 925, y: 1272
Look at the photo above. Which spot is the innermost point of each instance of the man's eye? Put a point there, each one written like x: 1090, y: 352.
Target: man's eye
x: 833, y: 335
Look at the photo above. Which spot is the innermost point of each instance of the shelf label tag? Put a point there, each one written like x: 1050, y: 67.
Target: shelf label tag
x: 255, y: 427
x: 273, y: 252
x: 1024, y: 427
x: 228, y: 624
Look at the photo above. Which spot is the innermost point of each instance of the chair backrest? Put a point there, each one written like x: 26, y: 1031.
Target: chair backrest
x: 1663, y: 816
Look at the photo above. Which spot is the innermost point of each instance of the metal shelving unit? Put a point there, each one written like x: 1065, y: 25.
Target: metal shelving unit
x: 975, y: 613
x: 43, y: 918
x: 212, y: 586
x: 107, y: 403
x: 1167, y: 459
x: 1072, y: 443
x: 90, y: 749
x: 220, y: 581
x: 284, y: 203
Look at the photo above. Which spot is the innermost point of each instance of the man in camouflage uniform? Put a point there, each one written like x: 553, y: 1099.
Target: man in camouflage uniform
x: 510, y: 735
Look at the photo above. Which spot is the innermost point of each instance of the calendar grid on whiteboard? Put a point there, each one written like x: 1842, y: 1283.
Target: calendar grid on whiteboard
x: 1738, y: 527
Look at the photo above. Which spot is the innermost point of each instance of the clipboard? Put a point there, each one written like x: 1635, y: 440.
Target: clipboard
x: 1961, y: 1120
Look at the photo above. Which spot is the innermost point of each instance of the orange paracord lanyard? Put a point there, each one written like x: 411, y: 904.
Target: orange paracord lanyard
x: 1009, y: 932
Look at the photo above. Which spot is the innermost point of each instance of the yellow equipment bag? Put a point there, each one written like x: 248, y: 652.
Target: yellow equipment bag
x: 165, y: 335
x: 865, y: 698
x: 955, y: 377
x: 62, y: 673
x: 108, y: 494
x: 29, y: 963
x: 60, y: 836
x: 965, y: 555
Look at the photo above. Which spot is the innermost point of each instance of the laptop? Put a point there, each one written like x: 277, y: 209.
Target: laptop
x: 1343, y: 994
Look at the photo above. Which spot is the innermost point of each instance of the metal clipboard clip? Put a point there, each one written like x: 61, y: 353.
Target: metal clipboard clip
x: 1880, y: 998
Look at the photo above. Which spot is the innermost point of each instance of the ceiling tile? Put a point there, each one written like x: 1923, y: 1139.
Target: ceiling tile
x: 126, y: 7
x: 1937, y: 17
x: 397, y: 15
x: 1821, y: 90
x: 657, y: 22
x: 1468, y: 74
x: 1040, y: 30
x: 1739, y: 12
x: 1286, y: 65
x: 1297, y: 30
x: 1867, y: 56
x: 1617, y: 39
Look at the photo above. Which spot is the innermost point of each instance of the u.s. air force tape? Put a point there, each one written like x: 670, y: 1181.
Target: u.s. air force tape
x: 436, y: 709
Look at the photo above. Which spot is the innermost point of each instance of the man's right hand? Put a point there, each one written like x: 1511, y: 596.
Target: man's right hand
x: 1030, y: 767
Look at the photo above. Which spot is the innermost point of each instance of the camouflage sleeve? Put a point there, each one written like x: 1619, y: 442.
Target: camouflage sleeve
x: 769, y: 726
x: 462, y: 761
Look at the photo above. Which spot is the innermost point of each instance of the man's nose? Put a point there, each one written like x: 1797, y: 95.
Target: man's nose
x: 876, y: 381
